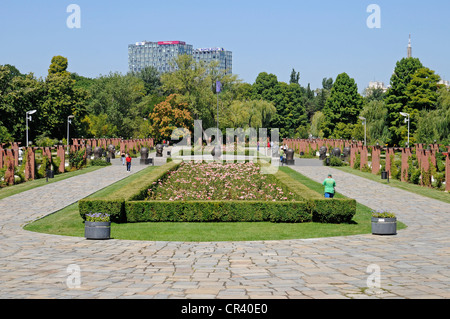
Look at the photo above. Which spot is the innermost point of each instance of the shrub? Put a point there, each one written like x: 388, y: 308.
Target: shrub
x: 77, y: 159
x: 334, y: 161
x: 113, y: 207
x: 335, y: 211
x: 217, y: 211
x: 99, y: 162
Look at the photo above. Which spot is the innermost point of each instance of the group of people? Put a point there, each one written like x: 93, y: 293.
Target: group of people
x: 126, y: 159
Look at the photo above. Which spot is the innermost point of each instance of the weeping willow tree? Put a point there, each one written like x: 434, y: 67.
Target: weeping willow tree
x: 435, y: 125
x: 376, y: 114
x: 245, y: 114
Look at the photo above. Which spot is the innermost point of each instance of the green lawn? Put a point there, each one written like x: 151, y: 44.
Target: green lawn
x: 68, y: 222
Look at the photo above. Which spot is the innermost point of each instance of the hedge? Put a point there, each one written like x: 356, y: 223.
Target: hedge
x: 217, y: 211
x: 114, y: 204
x: 332, y: 211
x: 128, y: 205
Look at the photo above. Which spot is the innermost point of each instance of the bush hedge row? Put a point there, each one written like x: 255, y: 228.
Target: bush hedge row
x: 114, y: 203
x: 217, y: 211
x: 127, y: 205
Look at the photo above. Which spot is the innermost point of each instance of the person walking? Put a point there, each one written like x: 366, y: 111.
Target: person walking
x: 330, y: 186
x: 128, y: 159
x: 123, y: 158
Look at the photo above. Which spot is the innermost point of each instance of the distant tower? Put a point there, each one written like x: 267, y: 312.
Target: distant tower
x: 409, y: 47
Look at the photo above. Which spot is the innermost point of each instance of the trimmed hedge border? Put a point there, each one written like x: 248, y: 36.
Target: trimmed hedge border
x: 217, y: 211
x: 127, y: 205
x: 114, y: 204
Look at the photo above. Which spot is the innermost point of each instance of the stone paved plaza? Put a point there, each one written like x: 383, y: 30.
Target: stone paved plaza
x: 412, y: 264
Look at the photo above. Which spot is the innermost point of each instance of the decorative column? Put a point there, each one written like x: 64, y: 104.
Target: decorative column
x: 30, y: 164
x: 62, y: 156
x: 9, y: 174
x: 376, y: 159
x: 364, y: 157
x: 447, y: 171
x: 406, y: 154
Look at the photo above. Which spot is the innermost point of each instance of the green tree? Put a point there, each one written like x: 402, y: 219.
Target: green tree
x: 19, y: 94
x: 245, y: 114
x: 434, y: 125
x: 342, y: 108
x: 397, y: 98
x: 295, y: 77
x: 151, y: 78
x: 61, y: 99
x: 58, y: 65
x: 375, y: 113
x: 287, y: 99
x: 121, y: 98
x: 317, y: 121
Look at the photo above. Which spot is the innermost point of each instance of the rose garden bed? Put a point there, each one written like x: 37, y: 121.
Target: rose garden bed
x: 215, y: 192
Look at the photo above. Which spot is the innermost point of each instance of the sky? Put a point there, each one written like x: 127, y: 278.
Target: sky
x: 316, y: 38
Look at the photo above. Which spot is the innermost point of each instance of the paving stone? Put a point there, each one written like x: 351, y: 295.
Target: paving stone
x: 413, y: 264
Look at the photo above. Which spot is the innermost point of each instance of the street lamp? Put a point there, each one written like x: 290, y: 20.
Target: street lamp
x: 68, y: 122
x: 365, y: 129
x: 406, y: 115
x: 26, y: 121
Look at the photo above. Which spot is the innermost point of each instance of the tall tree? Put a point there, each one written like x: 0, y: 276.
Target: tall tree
x: 287, y: 99
x: 342, y: 107
x: 397, y: 98
x: 295, y: 77
x: 119, y: 97
x: 61, y: 99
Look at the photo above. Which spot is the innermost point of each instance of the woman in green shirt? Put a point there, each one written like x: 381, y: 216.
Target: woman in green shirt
x: 330, y: 185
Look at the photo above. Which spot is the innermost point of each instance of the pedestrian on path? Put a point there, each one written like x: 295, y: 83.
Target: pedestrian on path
x: 330, y: 186
x: 123, y: 158
x: 128, y: 159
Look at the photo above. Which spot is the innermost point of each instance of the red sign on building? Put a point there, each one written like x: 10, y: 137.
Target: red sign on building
x: 171, y: 42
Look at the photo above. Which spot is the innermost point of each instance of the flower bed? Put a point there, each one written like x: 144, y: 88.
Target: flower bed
x: 213, y: 192
x: 216, y: 181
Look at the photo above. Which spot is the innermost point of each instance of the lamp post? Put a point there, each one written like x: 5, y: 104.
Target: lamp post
x: 27, y: 118
x: 406, y: 115
x: 365, y: 129
x: 68, y: 122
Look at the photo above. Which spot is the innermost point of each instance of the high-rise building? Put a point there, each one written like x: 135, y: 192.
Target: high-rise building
x: 160, y: 54
x: 207, y: 55
x: 409, y: 47
x: 156, y: 54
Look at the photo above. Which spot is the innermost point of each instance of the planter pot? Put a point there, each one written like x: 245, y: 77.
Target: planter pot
x: 384, y: 226
x: 97, y: 230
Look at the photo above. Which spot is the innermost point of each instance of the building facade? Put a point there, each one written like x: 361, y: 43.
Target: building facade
x: 156, y: 54
x: 160, y: 54
x: 208, y: 55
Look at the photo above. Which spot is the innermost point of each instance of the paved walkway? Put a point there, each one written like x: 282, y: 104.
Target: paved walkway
x: 412, y: 264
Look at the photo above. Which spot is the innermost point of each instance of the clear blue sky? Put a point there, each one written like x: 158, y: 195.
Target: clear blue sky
x: 317, y: 38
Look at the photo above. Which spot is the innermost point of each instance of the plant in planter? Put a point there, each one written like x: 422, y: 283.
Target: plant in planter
x: 97, y: 226
x: 383, y: 223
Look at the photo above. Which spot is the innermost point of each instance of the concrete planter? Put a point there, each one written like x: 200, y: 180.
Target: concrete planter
x: 97, y: 230
x: 384, y: 226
